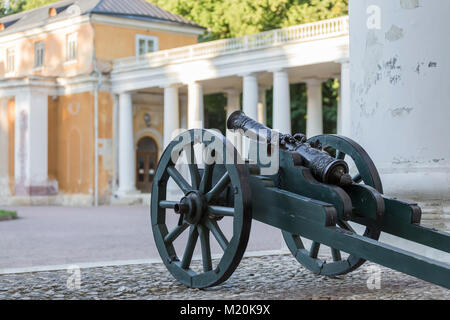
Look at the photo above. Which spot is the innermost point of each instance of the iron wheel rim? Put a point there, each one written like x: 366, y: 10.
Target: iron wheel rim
x: 367, y: 174
x: 234, y: 248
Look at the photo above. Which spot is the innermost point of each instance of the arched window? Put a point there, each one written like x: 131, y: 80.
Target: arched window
x: 147, y: 144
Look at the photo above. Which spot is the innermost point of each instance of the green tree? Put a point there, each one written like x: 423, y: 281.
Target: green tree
x: 234, y: 18
x: 15, y: 6
x: 11, y: 7
x: 299, y: 100
x: 32, y: 4
x: 330, y: 93
x: 215, y: 111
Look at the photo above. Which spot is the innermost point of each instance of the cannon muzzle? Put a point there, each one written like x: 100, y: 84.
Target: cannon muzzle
x: 324, y: 167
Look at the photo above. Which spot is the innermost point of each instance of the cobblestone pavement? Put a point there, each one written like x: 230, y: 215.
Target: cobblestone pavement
x: 266, y: 277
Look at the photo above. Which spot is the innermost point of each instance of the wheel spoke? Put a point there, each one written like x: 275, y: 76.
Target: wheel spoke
x: 192, y: 165
x: 190, y: 246
x: 339, y: 261
x: 336, y: 254
x: 206, y: 248
x: 179, y: 180
x: 314, y: 251
x: 175, y: 233
x: 345, y: 225
x: 221, y: 211
x: 357, y: 178
x: 217, y: 233
x: 195, y: 175
x: 205, y: 183
x: 165, y: 204
x: 219, y: 187
x: 340, y: 155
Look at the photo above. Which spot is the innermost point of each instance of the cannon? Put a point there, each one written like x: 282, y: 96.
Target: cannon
x: 312, y: 198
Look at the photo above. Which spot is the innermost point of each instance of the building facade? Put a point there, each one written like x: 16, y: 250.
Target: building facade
x: 56, y: 100
x: 91, y: 92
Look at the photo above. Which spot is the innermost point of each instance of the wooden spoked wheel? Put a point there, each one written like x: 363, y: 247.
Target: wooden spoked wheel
x: 366, y: 173
x: 217, y: 192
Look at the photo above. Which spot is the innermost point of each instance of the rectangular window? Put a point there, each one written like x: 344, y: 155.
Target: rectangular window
x: 10, y: 60
x: 39, y: 54
x: 146, y: 44
x: 71, y: 47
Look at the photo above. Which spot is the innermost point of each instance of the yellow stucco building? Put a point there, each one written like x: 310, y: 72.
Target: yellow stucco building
x: 92, y: 90
x: 56, y: 104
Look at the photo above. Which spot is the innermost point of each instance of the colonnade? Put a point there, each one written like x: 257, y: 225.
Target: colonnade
x: 253, y: 104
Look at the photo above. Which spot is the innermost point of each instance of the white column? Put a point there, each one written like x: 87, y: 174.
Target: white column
x: 281, y: 102
x: 232, y: 101
x: 127, y: 152
x: 400, y: 114
x: 31, y: 144
x: 250, y: 95
x: 4, y: 146
x: 195, y: 105
x: 262, y: 107
x: 314, y: 121
x: 171, y: 114
x: 249, y: 105
x: 115, y: 131
x: 233, y: 96
x: 344, y: 110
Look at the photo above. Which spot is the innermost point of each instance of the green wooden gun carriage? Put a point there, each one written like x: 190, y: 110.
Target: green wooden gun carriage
x: 311, y: 196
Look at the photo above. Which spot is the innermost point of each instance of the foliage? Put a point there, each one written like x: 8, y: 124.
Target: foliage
x: 215, y: 111
x: 15, y: 6
x: 11, y: 214
x: 11, y: 7
x: 299, y: 100
x: 330, y: 94
x: 234, y: 18
x: 215, y: 108
x: 32, y: 4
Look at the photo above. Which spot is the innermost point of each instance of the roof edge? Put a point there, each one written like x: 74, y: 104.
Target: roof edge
x: 21, y: 13
x: 157, y: 25
x: 147, y: 18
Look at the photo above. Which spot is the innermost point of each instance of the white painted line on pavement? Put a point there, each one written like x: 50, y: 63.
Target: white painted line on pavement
x: 89, y: 265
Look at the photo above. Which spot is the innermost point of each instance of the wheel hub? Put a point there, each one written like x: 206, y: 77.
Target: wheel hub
x: 191, y: 207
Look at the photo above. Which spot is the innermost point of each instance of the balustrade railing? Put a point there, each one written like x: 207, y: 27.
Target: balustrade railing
x: 300, y: 33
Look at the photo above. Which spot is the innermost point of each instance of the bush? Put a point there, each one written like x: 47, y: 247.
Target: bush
x: 7, y: 215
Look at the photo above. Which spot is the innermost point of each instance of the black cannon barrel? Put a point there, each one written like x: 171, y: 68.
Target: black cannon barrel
x: 324, y: 167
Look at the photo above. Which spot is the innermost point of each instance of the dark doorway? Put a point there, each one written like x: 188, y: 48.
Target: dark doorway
x: 147, y: 159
